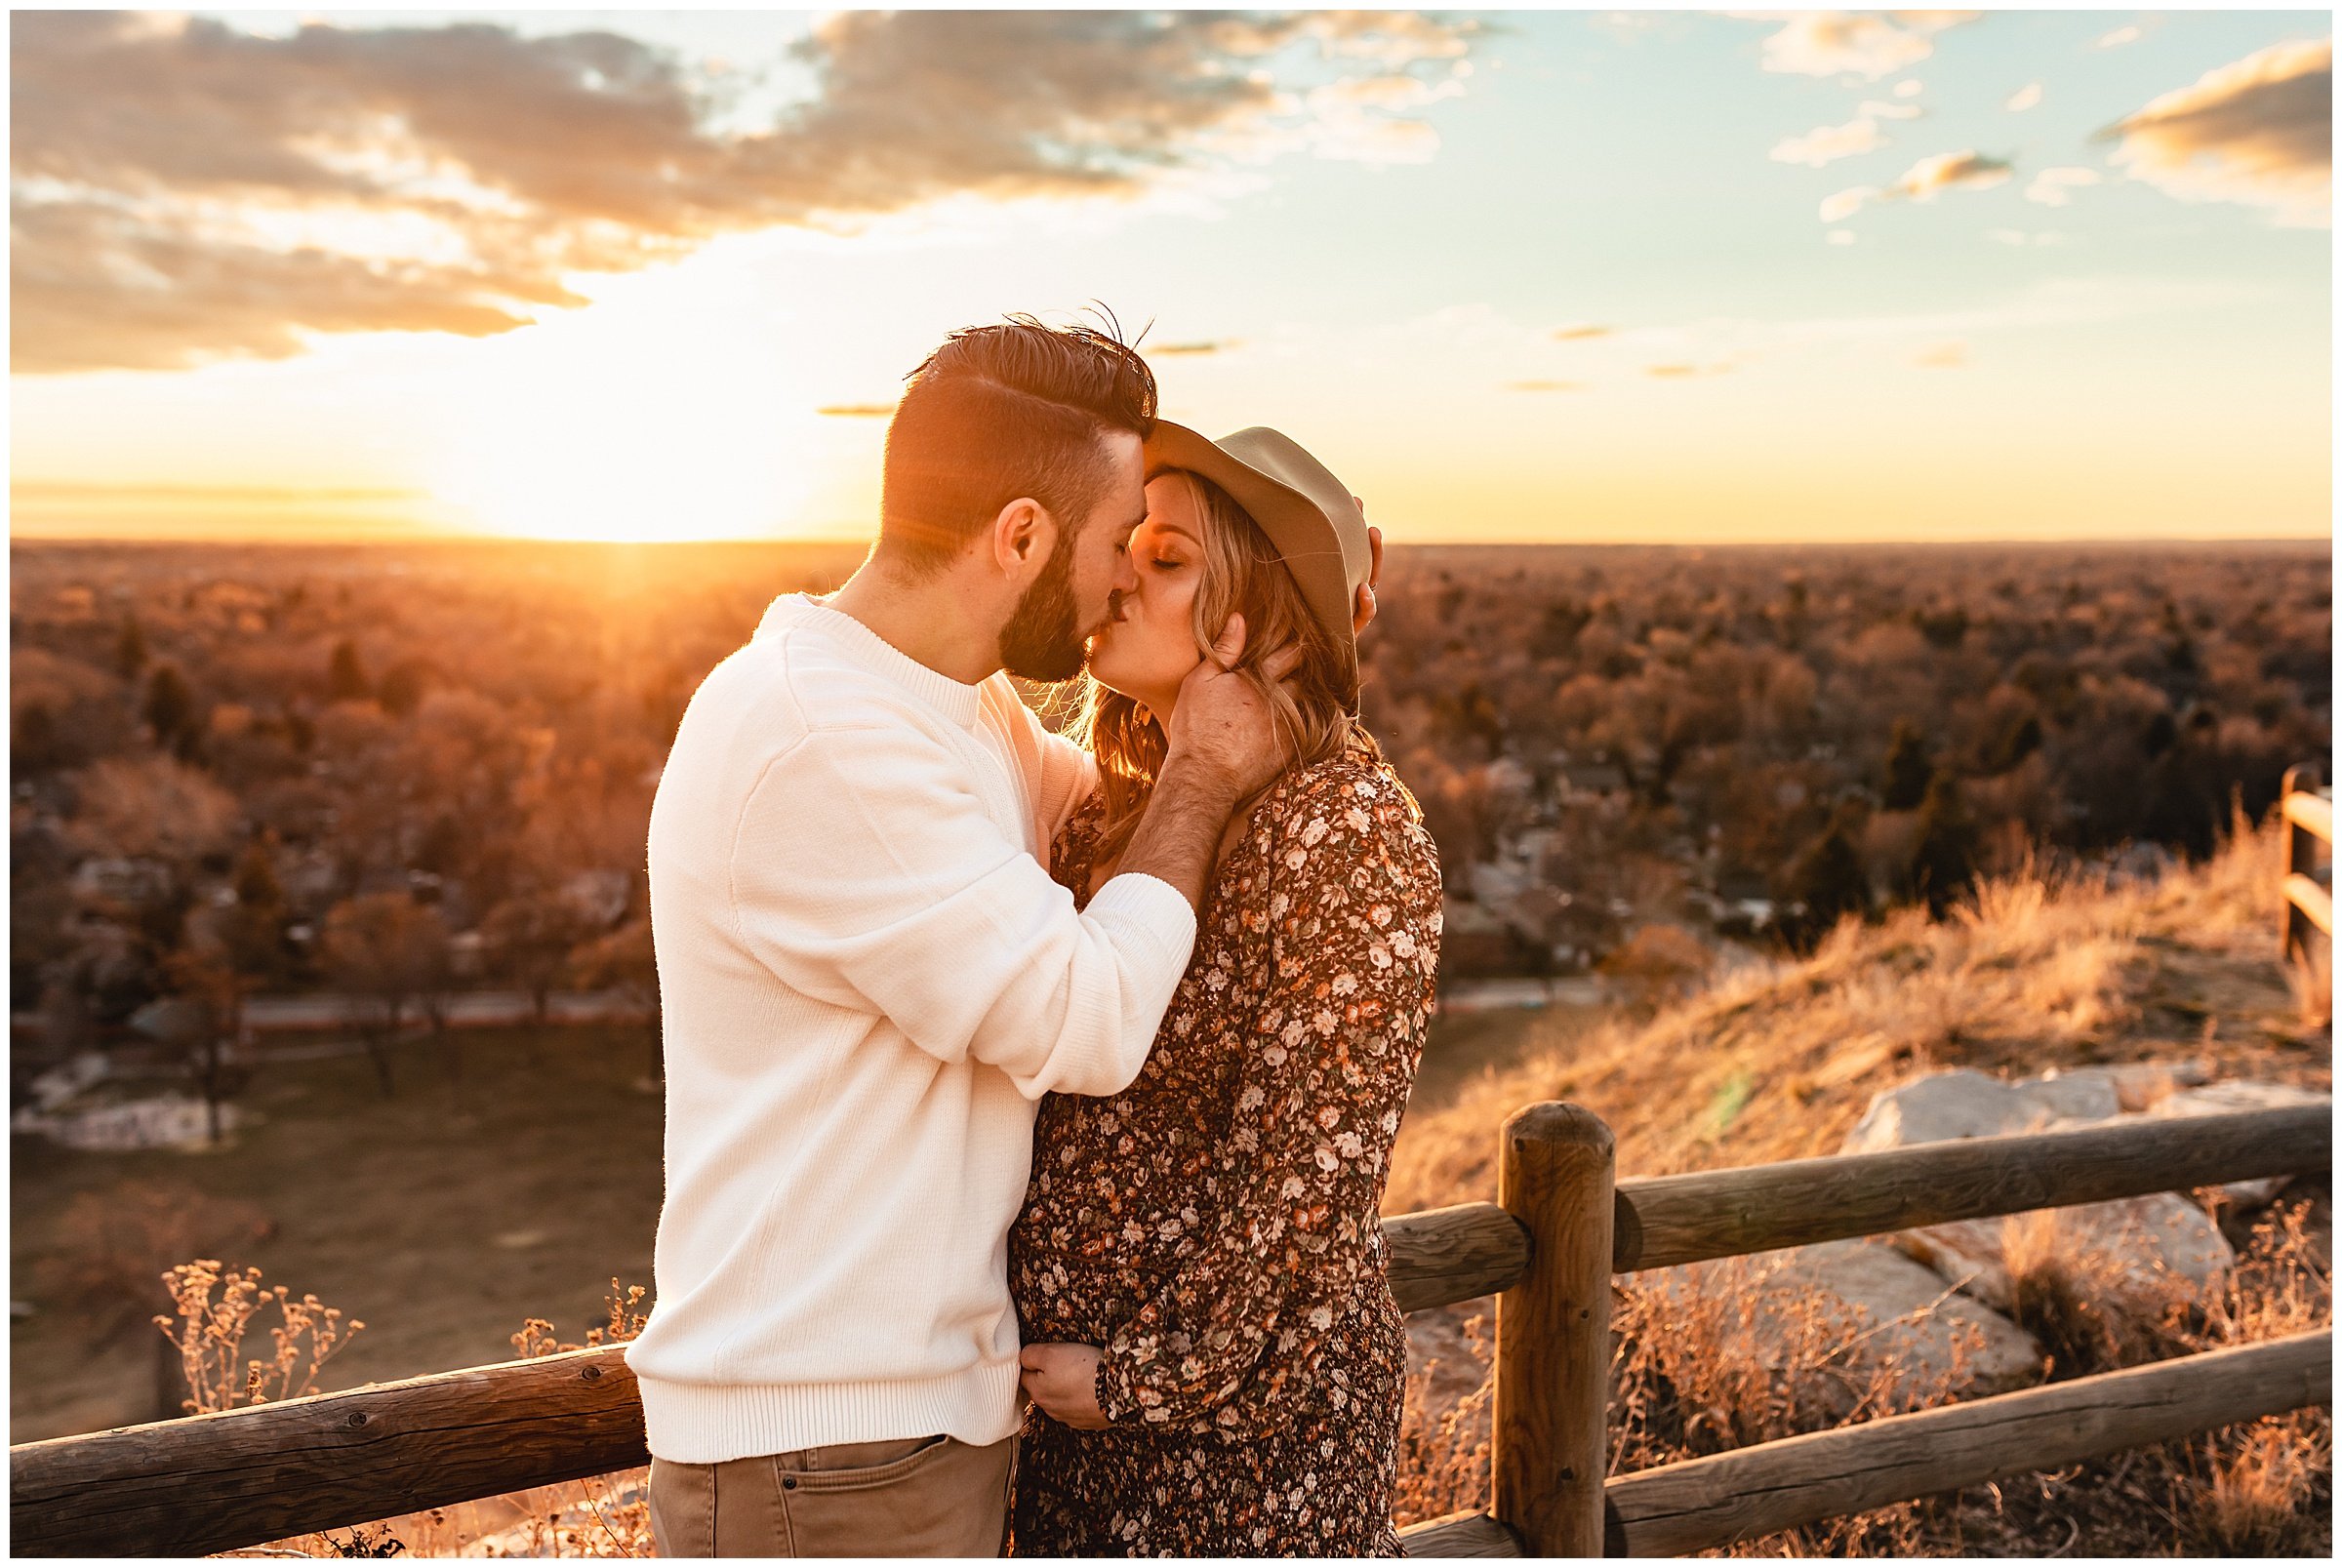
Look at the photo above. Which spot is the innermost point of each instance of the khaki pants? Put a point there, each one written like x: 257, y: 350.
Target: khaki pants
x: 914, y: 1497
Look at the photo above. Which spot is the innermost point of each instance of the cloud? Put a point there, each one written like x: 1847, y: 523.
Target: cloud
x: 2120, y: 36
x: 857, y: 411
x: 2258, y: 131
x: 1845, y: 204
x: 1865, y: 43
x: 1910, y: 88
x: 1221, y: 345
x: 1946, y: 171
x: 2055, y: 187
x: 1681, y: 371
x: 1545, y: 386
x: 184, y: 190
x: 1828, y: 144
x: 1943, y: 357
x: 1923, y: 182
x: 1581, y: 332
x: 2024, y: 97
x: 1841, y: 236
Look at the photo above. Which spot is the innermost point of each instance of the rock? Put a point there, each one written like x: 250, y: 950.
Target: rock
x: 2152, y: 1244
x: 1435, y: 1339
x: 1943, y: 1106
x: 2242, y: 1094
x: 2141, y: 1250
x: 1881, y: 1314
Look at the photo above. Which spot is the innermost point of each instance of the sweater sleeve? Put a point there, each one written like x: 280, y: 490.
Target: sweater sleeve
x: 1292, y: 1240
x: 865, y: 871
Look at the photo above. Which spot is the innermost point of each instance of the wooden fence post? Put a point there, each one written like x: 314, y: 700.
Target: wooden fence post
x: 1556, y: 1174
x: 2300, y: 856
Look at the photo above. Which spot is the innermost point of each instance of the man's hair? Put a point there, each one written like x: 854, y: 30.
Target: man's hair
x: 999, y: 412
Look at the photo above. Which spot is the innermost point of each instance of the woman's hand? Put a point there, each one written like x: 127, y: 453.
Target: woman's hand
x: 1062, y: 1379
x: 1364, y: 610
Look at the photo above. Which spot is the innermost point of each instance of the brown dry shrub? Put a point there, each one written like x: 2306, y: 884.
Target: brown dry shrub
x: 1444, y: 1454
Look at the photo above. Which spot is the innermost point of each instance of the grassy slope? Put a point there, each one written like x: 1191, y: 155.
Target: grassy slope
x: 1779, y: 1064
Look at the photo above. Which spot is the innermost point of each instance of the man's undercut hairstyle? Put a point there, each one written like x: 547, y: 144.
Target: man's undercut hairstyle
x: 1002, y: 412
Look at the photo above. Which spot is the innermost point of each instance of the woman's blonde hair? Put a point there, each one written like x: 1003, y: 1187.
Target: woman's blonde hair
x: 1315, y: 706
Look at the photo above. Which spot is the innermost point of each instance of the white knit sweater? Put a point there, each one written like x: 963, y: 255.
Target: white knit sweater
x: 868, y: 979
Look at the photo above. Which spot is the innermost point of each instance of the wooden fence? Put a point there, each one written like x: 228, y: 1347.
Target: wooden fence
x: 2309, y: 887
x: 1551, y: 1245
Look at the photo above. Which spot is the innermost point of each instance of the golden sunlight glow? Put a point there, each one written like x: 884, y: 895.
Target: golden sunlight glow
x: 646, y: 418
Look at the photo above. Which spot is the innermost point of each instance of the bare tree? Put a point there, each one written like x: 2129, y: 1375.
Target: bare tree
x: 387, y: 953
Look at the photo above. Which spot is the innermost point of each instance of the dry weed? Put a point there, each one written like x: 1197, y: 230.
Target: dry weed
x: 1444, y: 1454
x: 209, y: 1337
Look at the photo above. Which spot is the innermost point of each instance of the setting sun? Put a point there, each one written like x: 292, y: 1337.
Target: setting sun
x: 638, y: 421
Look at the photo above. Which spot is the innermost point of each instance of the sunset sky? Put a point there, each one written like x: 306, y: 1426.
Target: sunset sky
x: 1515, y: 277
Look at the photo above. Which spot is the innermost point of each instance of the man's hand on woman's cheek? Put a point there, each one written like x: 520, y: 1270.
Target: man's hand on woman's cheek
x: 1062, y: 1379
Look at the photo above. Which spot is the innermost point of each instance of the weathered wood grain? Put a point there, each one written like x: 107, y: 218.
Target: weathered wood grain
x: 1554, y: 1175
x: 1702, y: 1503
x: 1459, y: 1535
x: 1721, y: 1214
x: 206, y: 1483
x: 1443, y: 1256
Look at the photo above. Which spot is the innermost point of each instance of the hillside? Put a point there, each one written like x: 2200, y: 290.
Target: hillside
x: 1778, y: 1061
x: 1781, y: 1059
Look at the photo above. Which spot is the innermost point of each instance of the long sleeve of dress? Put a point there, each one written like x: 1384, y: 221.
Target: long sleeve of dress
x: 1288, y: 1209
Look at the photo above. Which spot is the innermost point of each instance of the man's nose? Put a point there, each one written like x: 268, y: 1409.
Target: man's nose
x: 1127, y: 573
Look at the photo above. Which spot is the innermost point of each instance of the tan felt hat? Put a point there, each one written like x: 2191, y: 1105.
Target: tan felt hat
x: 1308, y: 514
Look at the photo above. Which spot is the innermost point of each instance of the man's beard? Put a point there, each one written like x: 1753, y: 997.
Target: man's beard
x: 1043, y: 640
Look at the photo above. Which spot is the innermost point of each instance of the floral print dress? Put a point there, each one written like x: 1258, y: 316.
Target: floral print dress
x: 1214, y: 1228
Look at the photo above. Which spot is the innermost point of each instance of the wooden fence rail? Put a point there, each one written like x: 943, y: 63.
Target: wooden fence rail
x: 240, y: 1477
x: 2309, y: 816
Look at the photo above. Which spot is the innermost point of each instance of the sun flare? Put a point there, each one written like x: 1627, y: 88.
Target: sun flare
x: 637, y: 420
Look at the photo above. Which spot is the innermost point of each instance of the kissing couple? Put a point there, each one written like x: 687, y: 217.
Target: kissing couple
x: 1030, y: 1096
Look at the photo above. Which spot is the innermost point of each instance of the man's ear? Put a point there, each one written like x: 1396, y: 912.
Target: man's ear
x: 1022, y: 535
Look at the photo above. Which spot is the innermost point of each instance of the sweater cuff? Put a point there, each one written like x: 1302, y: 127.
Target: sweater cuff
x: 1154, y: 912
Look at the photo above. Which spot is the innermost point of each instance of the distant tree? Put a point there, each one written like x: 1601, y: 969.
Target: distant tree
x: 1908, y: 768
x: 1944, y: 864
x: 253, y: 926
x: 2021, y: 738
x: 33, y: 744
x: 623, y: 961
x: 387, y: 953
x: 202, y: 1022
x: 1825, y: 882
x: 170, y: 710
x: 529, y: 940
x: 345, y: 677
x: 154, y: 808
x: 402, y: 688
x: 130, y: 649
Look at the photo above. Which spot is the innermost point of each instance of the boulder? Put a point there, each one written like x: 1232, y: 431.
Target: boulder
x: 1880, y: 1314
x: 2241, y: 1094
x: 2155, y: 1244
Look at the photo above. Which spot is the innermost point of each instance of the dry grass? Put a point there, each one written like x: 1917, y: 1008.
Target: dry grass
x: 2035, y: 971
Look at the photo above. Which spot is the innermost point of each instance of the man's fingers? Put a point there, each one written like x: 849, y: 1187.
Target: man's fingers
x: 1281, y: 664
x: 1229, y: 646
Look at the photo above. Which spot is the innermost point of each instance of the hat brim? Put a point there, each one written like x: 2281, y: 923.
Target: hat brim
x: 1302, y: 535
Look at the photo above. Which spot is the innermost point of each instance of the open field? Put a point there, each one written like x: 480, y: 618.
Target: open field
x: 442, y: 1218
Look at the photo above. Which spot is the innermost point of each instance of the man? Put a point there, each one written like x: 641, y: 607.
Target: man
x: 868, y: 977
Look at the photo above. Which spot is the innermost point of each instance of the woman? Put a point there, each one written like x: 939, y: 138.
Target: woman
x: 1214, y: 1358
